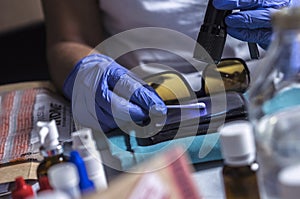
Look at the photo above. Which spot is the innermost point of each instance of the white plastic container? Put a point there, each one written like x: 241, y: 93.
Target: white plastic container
x: 64, y: 177
x: 83, y: 142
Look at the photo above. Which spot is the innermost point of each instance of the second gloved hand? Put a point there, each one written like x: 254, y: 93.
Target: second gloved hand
x: 253, y: 22
x: 105, y: 95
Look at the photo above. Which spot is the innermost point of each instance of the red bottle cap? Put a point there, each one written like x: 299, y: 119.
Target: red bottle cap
x: 44, y: 184
x: 22, y: 189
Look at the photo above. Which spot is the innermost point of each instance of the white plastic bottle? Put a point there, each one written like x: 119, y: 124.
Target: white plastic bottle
x: 83, y: 142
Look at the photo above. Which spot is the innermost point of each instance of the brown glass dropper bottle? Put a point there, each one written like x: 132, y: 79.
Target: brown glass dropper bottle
x: 240, y: 168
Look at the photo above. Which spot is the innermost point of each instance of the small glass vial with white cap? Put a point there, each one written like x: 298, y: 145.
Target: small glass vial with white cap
x: 240, y: 168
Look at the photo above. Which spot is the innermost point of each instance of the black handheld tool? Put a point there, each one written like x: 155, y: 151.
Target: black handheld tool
x: 212, y: 34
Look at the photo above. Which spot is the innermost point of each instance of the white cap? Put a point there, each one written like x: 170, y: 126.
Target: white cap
x: 63, y: 175
x: 48, y: 134
x: 289, y: 182
x: 237, y: 143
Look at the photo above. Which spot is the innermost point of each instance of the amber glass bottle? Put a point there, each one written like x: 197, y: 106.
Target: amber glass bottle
x: 50, y: 148
x: 51, y: 157
x: 240, y: 168
x: 241, y: 181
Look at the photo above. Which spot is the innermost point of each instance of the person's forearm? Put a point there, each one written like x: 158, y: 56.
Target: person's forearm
x: 73, y: 28
x: 62, y: 57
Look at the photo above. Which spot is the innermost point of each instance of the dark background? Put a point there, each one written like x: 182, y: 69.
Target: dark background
x: 22, y: 54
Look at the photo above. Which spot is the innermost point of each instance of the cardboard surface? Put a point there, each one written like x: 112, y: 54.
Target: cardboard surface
x: 27, y: 170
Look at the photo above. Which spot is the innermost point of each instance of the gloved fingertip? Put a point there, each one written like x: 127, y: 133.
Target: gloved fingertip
x: 158, y: 109
x: 236, y: 20
x: 236, y: 4
x: 224, y: 5
x: 264, y: 46
x: 137, y: 114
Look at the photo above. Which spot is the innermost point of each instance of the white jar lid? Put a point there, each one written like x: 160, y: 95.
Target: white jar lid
x: 237, y: 142
x: 63, y: 175
x: 289, y: 181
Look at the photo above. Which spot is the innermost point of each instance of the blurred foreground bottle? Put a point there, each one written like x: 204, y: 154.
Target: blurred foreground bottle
x: 240, y: 167
x: 274, y: 101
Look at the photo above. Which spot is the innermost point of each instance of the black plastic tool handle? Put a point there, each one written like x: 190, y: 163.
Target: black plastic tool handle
x: 212, y: 34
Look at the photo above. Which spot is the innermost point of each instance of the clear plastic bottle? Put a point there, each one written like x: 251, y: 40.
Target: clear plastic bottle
x: 274, y: 100
x: 240, y: 166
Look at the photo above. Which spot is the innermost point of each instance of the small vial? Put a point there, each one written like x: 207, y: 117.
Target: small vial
x: 64, y: 177
x: 240, y: 168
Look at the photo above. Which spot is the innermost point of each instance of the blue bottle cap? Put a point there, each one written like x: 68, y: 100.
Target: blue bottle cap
x: 85, y: 184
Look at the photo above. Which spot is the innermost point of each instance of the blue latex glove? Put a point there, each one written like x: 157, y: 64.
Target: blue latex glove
x: 101, y: 91
x: 253, y: 22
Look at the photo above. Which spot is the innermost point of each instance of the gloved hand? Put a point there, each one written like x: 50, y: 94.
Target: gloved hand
x: 253, y: 22
x: 103, y: 92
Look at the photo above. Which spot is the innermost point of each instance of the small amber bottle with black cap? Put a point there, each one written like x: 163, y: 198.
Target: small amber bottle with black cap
x: 240, y: 168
